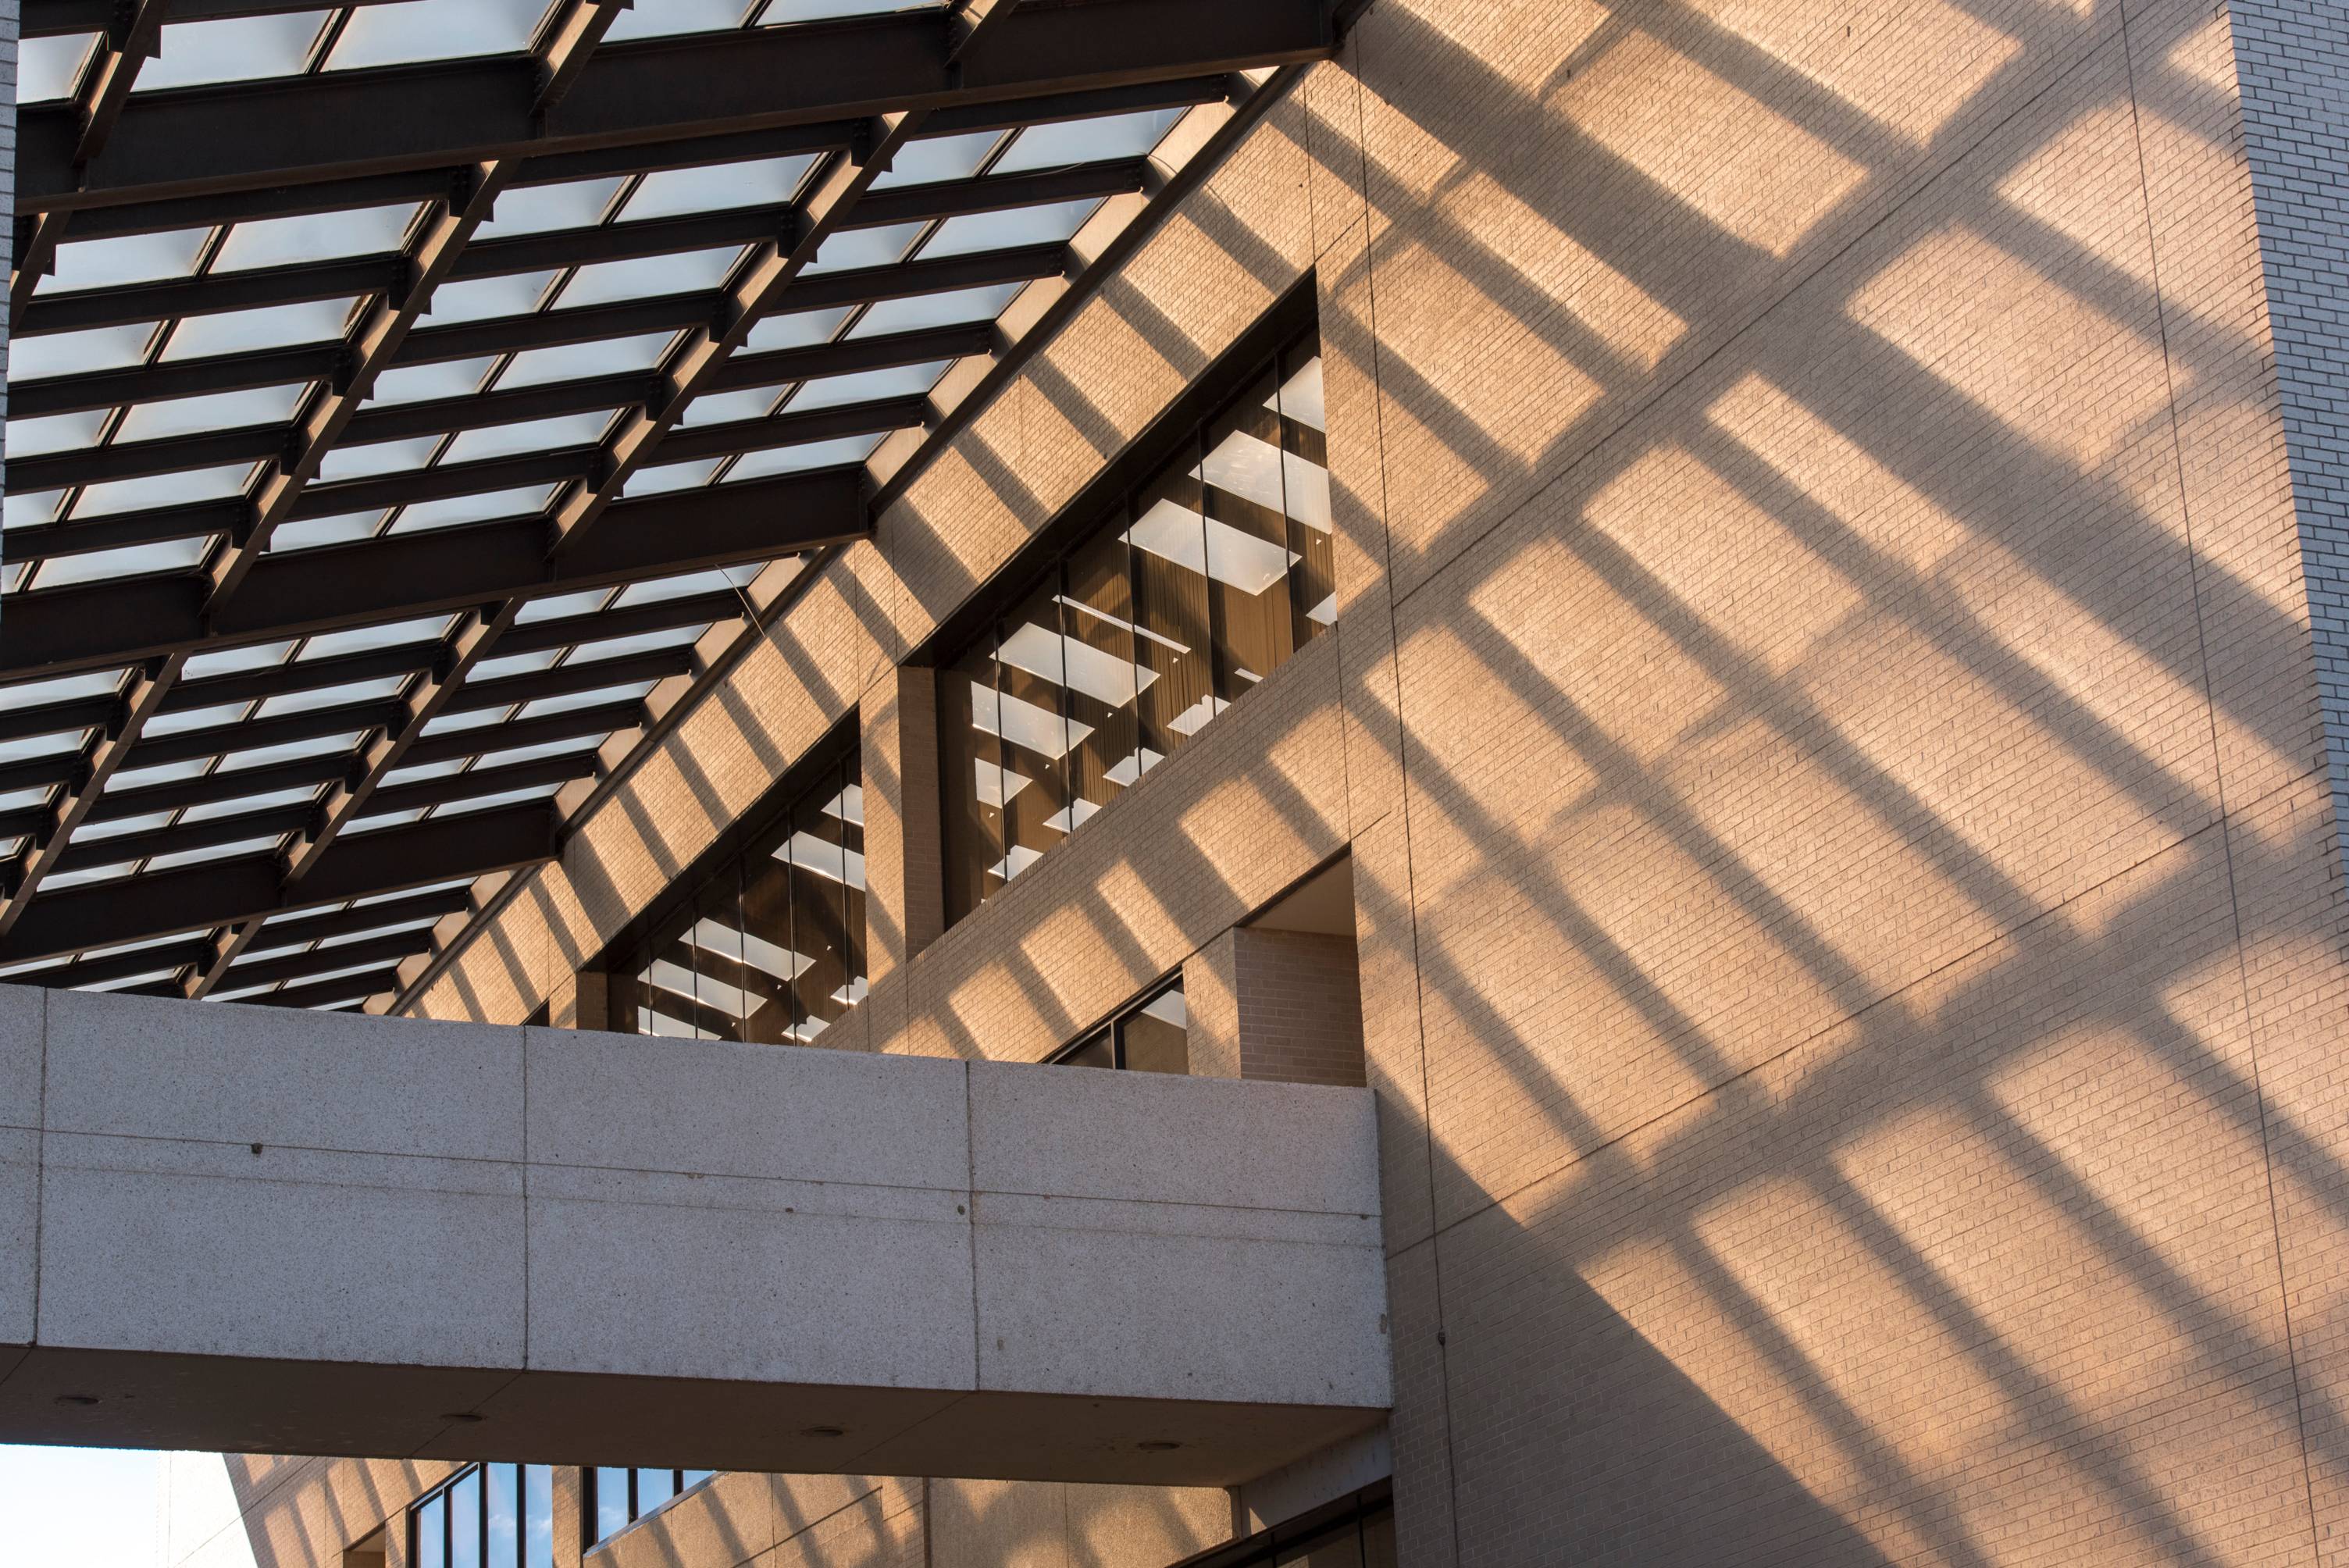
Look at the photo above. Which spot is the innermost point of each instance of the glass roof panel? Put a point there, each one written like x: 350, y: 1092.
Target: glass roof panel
x: 719, y: 408
x: 1049, y: 224
x: 502, y: 797
x: 56, y: 881
x: 231, y: 661
x: 645, y: 276
x: 131, y: 561
x: 163, y: 489
x: 219, y: 412
x: 780, y: 11
x: 189, y: 718
x: 19, y: 800
x: 315, y: 237
x: 867, y: 386
x: 480, y: 299
x: 521, y: 753
x: 420, y: 772
x: 216, y: 852
x: 759, y: 182
x: 536, y: 209
x: 794, y: 329
x: 576, y: 361
x: 865, y: 247
x: 367, y: 639
x: 160, y: 773
x: 375, y: 820
x: 61, y: 688
x: 668, y: 477
x: 434, y: 30
x: 73, y: 352
x: 292, y: 751
x: 96, y: 832
x: 236, y: 49
x: 416, y: 383
x: 800, y: 458
x: 264, y: 801
x: 529, y: 436
x: 463, y: 509
x: 663, y: 589
x: 950, y: 308
x: 315, y: 532
x: 24, y: 510
x: 1072, y: 141
x: 332, y: 697
x: 344, y: 462
x: 50, y: 68
x: 642, y: 643
x: 57, y: 433
x: 517, y: 664
x: 456, y: 723
x: 934, y: 158
x: 666, y: 18
x: 555, y: 606
x: 125, y: 259
x: 58, y: 742
x: 272, y: 326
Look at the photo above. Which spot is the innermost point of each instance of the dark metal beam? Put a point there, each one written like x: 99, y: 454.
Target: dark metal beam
x: 579, y: 724
x: 477, y: 782
x: 293, y: 930
x: 214, y: 788
x: 176, y: 378
x: 200, y: 898
x: 376, y: 950
x: 62, y: 18
x: 207, y: 834
x: 256, y: 134
x: 39, y: 541
x: 325, y: 993
x: 667, y: 615
x: 211, y: 294
x: 115, y: 966
x: 409, y: 575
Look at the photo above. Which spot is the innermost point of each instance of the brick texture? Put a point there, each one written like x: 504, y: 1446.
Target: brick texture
x: 1834, y: 709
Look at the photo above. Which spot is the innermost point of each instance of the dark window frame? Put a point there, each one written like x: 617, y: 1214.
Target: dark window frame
x: 442, y: 1493
x: 1112, y: 1030
x: 591, y: 1483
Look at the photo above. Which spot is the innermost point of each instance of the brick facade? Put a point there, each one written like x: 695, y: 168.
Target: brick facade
x: 1831, y: 731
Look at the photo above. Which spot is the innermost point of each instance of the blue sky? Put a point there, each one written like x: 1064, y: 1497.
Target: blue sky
x: 80, y: 1508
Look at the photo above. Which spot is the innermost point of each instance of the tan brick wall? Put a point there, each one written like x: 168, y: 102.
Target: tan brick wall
x: 1300, y: 1000
x: 1823, y: 713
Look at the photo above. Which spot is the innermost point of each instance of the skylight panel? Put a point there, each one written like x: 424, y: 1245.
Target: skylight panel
x: 292, y: 751
x: 457, y: 723
x: 517, y: 664
x: 716, y: 187
x: 216, y: 852
x: 22, y: 799
x: 555, y: 607
x: 577, y: 361
x: 272, y: 326
x: 264, y: 801
x: 30, y: 509
x: 420, y: 383
x: 317, y: 533
x: 31, y: 747
x: 163, y: 489
x: 125, y: 259
x: 1072, y: 141
x: 368, y: 639
x: 50, y: 68
x: 549, y: 707
x: 344, y: 462
x: 806, y: 456
x: 98, y: 832
x: 539, y: 209
x: 332, y: 696
x: 867, y: 386
x: 502, y: 797
x: 482, y: 299
x: 131, y: 561
x: 642, y: 643
x: 539, y: 753
x: 722, y: 408
x: 668, y: 18
x: 643, y: 277
x: 434, y: 30
x: 863, y: 247
x: 376, y: 822
x: 456, y: 510
x: 668, y: 477
x: 781, y: 11
x: 236, y: 49
x: 217, y: 411
x: 193, y: 718
x: 315, y: 237
x: 1048, y: 223
x: 928, y: 160
x: 78, y: 353
x: 57, y: 433
x: 160, y: 773
x: 794, y: 329
x: 422, y: 772
x: 953, y: 307
x: 235, y: 661
x: 682, y: 587
x: 60, y: 688
x: 529, y: 436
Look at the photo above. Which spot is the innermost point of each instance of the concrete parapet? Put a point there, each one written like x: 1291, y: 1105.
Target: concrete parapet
x: 246, y: 1229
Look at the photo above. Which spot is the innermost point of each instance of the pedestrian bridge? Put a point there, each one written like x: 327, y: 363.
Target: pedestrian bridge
x: 261, y: 1230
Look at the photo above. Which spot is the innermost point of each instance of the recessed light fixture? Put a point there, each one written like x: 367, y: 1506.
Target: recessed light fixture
x: 1158, y: 1445
x: 824, y: 1431
x: 78, y: 1400
x: 462, y: 1416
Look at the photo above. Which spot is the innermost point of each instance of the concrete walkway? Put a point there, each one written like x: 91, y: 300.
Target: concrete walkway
x: 246, y: 1228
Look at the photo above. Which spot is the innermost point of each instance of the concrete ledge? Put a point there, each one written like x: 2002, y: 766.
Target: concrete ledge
x: 292, y: 1233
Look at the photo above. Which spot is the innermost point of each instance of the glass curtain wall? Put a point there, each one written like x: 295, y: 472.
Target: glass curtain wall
x: 1194, y: 588
x: 486, y: 1516
x: 770, y: 948
x: 616, y: 1499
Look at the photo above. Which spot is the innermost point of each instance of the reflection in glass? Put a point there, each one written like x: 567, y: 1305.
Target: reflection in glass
x: 1204, y: 579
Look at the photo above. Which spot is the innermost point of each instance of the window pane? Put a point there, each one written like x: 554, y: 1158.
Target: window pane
x: 1305, y: 491
x: 695, y: 1478
x: 1170, y: 609
x: 538, y: 1517
x: 432, y: 1535
x: 971, y: 779
x: 817, y: 852
x: 722, y: 981
x: 1034, y: 730
x: 1248, y: 543
x: 767, y: 942
x: 1155, y: 1038
x: 1095, y: 1052
x: 611, y: 1502
x: 465, y: 1522
x: 1097, y: 623
x: 653, y: 1487
x: 505, y: 1516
